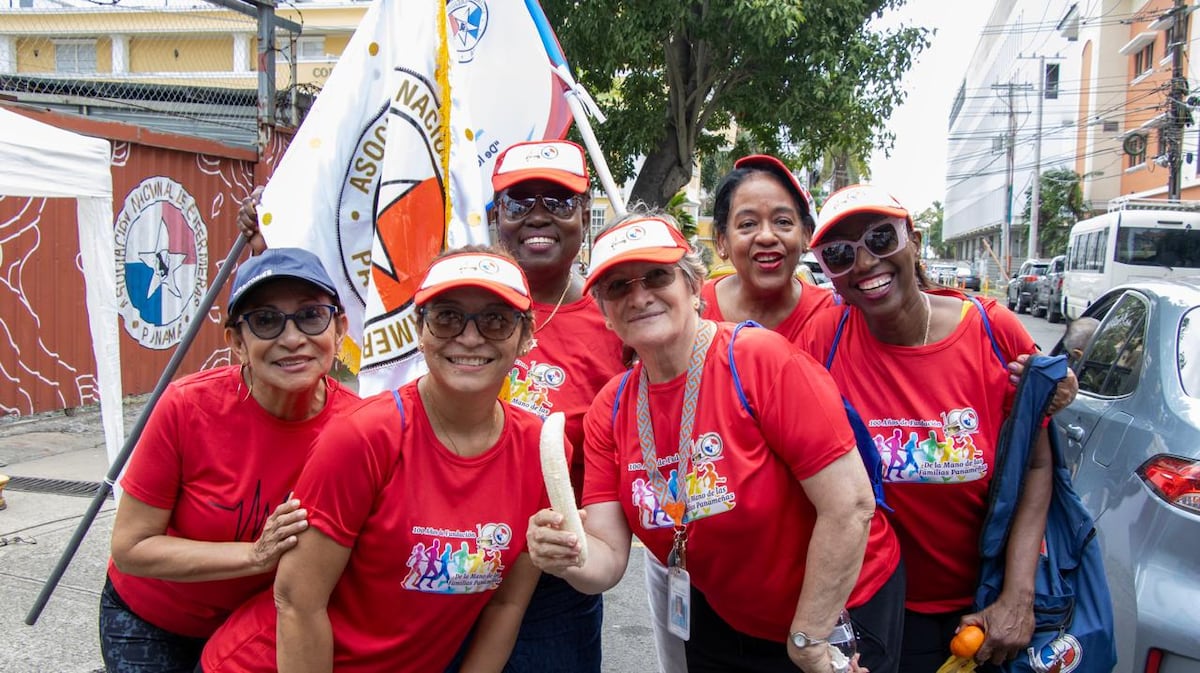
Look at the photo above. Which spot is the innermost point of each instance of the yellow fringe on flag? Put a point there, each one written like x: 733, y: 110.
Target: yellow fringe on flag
x: 443, y: 80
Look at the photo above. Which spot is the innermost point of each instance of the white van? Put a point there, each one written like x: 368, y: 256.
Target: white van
x: 1135, y: 239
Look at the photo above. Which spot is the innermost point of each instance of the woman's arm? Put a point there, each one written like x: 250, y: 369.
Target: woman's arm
x: 841, y: 494
x: 1009, y: 621
x: 303, y: 585
x: 141, y: 547
x: 498, y: 624
x: 557, y: 552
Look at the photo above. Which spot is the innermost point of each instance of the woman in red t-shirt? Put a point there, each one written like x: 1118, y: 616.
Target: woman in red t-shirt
x: 762, y: 518
x: 762, y: 219
x: 920, y: 368
x: 413, y: 500
x: 206, y: 511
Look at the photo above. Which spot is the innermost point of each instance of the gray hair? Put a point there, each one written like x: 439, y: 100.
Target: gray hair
x: 691, y: 264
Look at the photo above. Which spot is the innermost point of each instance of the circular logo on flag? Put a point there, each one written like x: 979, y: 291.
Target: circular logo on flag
x: 468, y: 21
x: 162, y: 262
x: 1061, y: 655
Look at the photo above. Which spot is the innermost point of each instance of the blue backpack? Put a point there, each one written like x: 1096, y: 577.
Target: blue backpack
x: 1073, y: 631
x: 862, y: 438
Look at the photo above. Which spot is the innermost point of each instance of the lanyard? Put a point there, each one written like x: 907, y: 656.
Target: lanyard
x: 672, y: 497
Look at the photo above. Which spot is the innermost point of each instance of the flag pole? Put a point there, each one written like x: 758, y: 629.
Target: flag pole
x: 581, y: 104
x: 118, y: 464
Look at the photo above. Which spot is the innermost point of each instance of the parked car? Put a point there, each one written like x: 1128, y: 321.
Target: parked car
x: 1047, y: 292
x: 810, y: 270
x: 941, y: 273
x: 1132, y: 442
x: 1020, y: 286
x: 967, y: 279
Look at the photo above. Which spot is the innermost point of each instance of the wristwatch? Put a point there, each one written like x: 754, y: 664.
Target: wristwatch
x: 802, y: 640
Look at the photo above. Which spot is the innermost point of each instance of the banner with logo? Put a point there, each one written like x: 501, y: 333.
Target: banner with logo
x: 393, y: 163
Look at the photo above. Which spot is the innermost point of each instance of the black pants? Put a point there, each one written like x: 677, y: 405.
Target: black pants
x: 927, y: 641
x: 130, y: 644
x: 716, y: 647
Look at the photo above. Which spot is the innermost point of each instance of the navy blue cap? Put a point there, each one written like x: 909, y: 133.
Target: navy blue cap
x: 275, y: 263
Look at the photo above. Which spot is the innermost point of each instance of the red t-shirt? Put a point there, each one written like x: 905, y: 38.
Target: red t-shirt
x: 221, y: 464
x: 935, y: 413
x: 751, y: 521
x: 573, y: 356
x: 813, y: 300
x: 432, y: 535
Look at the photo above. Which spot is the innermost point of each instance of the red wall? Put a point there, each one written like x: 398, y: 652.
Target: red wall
x: 169, y: 194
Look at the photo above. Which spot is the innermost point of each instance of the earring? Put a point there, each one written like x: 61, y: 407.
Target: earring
x: 245, y: 376
x: 695, y: 303
x: 722, y: 254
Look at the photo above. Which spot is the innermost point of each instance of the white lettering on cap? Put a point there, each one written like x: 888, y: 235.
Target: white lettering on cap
x: 550, y: 156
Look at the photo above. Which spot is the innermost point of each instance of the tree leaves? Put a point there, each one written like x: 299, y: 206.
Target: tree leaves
x: 673, y: 74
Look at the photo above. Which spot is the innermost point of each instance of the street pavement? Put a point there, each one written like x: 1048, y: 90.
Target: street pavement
x: 60, y: 450
x: 36, y: 527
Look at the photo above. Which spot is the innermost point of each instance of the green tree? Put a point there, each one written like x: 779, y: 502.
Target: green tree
x: 676, y: 208
x: 1061, y: 206
x: 930, y: 220
x: 673, y: 74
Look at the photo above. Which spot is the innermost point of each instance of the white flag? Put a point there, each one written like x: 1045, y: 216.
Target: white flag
x: 424, y: 90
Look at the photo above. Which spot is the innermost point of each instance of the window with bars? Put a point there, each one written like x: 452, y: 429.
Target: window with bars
x: 75, y: 56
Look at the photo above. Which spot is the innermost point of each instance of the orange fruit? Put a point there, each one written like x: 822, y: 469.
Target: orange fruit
x: 966, y: 642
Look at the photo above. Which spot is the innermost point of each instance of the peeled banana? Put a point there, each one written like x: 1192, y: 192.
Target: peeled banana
x: 557, y: 476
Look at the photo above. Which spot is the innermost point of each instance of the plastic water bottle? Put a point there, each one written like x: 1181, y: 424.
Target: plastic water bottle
x: 843, y: 642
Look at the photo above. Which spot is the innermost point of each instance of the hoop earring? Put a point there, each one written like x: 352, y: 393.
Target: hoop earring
x: 244, y: 376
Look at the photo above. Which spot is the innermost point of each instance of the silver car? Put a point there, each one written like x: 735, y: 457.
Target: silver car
x: 1133, y: 444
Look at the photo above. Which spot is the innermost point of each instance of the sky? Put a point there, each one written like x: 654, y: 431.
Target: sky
x: 915, y: 171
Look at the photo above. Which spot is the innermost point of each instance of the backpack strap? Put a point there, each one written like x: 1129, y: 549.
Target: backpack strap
x: 617, y: 399
x: 737, y: 379
x: 837, y: 337
x: 987, y: 327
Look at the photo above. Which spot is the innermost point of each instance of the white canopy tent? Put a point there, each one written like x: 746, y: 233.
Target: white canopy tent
x: 39, y: 160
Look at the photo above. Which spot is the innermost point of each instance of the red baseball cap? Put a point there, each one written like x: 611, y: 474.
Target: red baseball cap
x: 646, y: 239
x: 476, y: 269
x: 559, y: 161
x: 774, y: 166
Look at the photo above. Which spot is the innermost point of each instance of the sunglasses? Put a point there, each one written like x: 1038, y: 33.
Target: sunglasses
x: 884, y: 239
x: 517, y: 208
x: 655, y: 279
x: 493, y: 325
x: 267, y: 323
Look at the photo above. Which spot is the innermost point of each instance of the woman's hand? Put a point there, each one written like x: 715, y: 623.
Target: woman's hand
x: 1064, y: 393
x: 248, y: 221
x: 1008, y: 625
x: 278, y: 535
x: 552, y: 550
x: 819, y: 659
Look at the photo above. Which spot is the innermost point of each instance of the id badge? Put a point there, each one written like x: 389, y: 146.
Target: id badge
x: 679, y: 603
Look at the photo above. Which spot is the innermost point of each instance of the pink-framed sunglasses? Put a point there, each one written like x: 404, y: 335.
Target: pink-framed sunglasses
x: 883, y: 239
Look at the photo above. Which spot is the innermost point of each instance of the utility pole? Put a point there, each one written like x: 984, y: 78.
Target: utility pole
x: 1035, y: 210
x: 1035, y: 203
x: 1010, y: 150
x: 1178, y: 105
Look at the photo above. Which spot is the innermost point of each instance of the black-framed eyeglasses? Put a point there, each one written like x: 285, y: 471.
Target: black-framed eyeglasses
x: 266, y: 323
x: 883, y: 239
x: 655, y: 279
x: 519, y: 208
x: 493, y: 324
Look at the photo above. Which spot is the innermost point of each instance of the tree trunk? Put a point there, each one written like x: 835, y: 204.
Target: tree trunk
x: 663, y: 174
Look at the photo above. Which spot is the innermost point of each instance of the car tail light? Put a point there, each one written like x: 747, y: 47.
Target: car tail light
x: 1153, y: 660
x: 1174, y: 479
x: 1060, y: 280
x: 1031, y: 279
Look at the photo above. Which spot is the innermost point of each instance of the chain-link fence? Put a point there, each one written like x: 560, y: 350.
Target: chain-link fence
x: 185, y: 66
